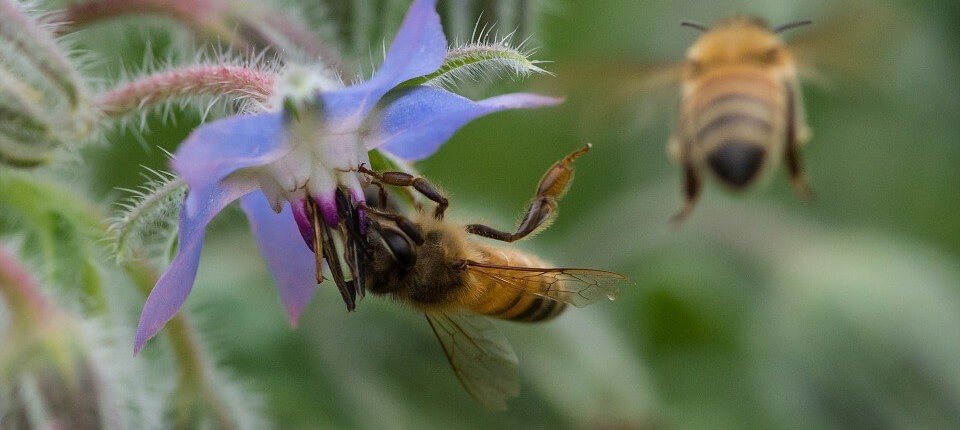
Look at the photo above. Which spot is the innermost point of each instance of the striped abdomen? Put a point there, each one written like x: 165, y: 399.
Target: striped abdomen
x: 498, y: 299
x: 734, y: 120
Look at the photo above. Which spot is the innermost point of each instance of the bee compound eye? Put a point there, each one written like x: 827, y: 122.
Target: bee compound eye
x: 400, y: 248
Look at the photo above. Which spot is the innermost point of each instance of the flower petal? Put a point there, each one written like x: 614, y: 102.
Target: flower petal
x: 290, y: 261
x: 419, y: 120
x: 176, y: 282
x: 419, y: 49
x: 215, y: 150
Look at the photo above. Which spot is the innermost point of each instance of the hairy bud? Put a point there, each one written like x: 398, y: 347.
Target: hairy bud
x: 44, y: 103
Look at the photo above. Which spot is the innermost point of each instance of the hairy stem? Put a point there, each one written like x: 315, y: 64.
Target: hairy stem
x: 189, y: 355
x: 212, y: 19
x: 221, y: 80
x: 21, y: 293
x: 202, y: 16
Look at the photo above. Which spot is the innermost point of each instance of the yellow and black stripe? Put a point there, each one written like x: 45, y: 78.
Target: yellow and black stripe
x: 509, y: 304
x: 734, y: 117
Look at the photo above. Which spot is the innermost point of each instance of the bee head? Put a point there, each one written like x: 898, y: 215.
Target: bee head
x: 400, y: 249
x: 738, y: 40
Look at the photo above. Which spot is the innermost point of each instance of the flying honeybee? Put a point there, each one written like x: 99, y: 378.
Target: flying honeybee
x: 740, y: 108
x: 437, y: 267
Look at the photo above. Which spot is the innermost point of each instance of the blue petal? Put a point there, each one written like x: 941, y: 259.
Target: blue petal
x: 175, y: 284
x: 290, y: 261
x: 419, y: 49
x: 215, y: 150
x: 419, y: 120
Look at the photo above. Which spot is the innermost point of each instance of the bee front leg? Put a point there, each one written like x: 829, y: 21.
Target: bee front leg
x: 403, y: 223
x: 543, y: 208
x: 402, y: 179
x: 691, y: 192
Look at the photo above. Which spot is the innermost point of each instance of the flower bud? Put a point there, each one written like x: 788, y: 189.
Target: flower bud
x: 43, y: 100
x: 47, y: 379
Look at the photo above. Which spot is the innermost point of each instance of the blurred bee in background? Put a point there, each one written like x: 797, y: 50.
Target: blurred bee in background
x: 740, y: 108
x: 436, y: 267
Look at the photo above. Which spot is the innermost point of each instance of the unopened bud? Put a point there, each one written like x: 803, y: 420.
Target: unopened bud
x: 47, y: 380
x: 43, y: 101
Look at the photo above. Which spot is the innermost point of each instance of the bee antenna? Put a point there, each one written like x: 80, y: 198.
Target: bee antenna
x: 695, y: 25
x: 792, y: 25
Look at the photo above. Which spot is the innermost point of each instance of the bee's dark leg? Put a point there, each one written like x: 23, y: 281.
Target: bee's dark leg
x: 401, y: 179
x: 381, y: 194
x: 691, y: 192
x: 553, y: 186
x: 795, y: 169
x: 794, y: 166
x: 408, y: 227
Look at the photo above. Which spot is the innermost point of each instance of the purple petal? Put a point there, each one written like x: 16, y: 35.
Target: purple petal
x: 415, y: 124
x: 303, y: 222
x: 215, y: 150
x: 290, y: 261
x: 176, y: 282
x: 419, y: 49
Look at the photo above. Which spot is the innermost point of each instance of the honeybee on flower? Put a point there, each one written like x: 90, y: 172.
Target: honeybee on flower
x: 293, y: 167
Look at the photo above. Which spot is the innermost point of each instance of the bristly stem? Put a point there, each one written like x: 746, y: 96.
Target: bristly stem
x: 221, y: 80
x: 212, y: 19
x: 188, y: 353
x: 200, y: 15
x: 21, y: 293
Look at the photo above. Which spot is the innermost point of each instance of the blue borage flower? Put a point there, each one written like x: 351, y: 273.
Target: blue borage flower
x: 291, y: 166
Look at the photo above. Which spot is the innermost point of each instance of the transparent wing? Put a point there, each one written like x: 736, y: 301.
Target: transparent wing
x: 480, y: 356
x: 578, y: 287
x: 645, y: 94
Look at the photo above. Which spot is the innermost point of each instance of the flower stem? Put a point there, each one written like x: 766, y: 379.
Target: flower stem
x: 22, y: 294
x: 202, y: 16
x: 220, y: 80
x: 189, y: 355
x: 213, y: 19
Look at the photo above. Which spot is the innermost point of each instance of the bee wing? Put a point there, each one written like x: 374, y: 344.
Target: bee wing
x: 578, y: 287
x: 854, y: 39
x: 480, y: 356
x: 646, y: 94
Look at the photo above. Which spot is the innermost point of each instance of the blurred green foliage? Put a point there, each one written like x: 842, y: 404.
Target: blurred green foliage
x: 761, y: 312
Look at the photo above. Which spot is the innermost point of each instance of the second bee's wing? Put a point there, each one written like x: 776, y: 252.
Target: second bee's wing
x: 578, y: 287
x: 480, y: 356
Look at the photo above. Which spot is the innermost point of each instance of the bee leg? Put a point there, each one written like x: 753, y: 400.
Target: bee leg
x: 691, y: 192
x: 796, y: 173
x: 381, y: 194
x: 403, y: 223
x: 795, y: 168
x: 543, y: 208
x: 402, y: 179
x: 797, y: 133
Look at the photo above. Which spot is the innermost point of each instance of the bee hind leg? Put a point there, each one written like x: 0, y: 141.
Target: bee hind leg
x: 543, y: 208
x: 691, y: 193
x: 795, y: 168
